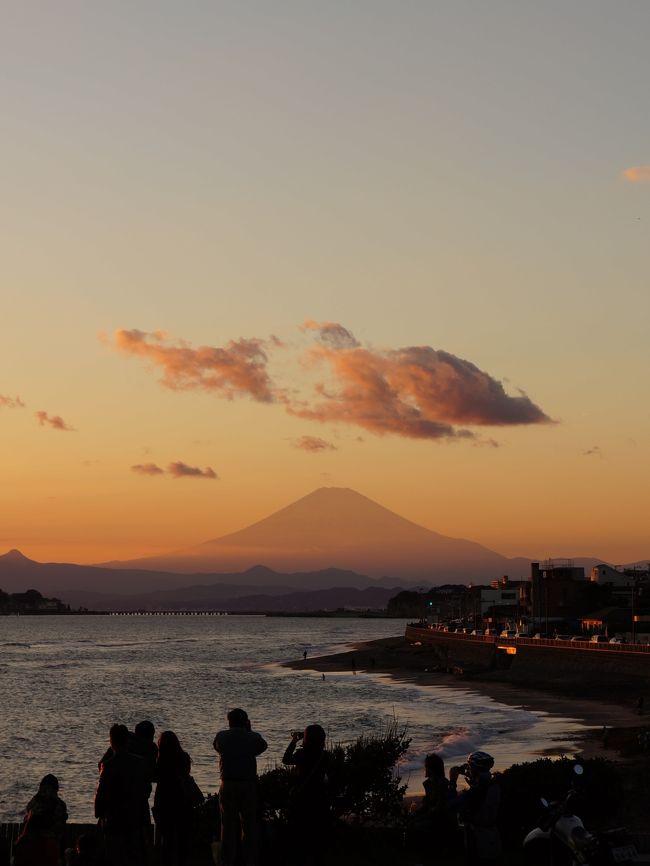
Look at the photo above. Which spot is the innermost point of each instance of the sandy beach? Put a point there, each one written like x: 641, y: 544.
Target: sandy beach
x: 407, y: 663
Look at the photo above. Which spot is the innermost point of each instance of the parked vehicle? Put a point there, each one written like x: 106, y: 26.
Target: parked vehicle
x: 541, y: 635
x: 599, y: 638
x: 561, y: 839
x: 490, y: 632
x: 579, y: 638
x: 618, y: 640
x: 508, y: 633
x: 563, y: 637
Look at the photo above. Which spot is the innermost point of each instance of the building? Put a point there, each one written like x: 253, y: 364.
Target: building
x: 559, y: 589
x: 503, y: 598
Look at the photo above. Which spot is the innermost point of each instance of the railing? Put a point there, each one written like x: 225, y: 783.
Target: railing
x: 635, y: 649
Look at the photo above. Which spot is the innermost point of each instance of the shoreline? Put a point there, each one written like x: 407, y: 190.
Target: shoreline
x: 402, y: 662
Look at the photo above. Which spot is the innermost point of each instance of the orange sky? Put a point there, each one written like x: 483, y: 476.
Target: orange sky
x: 249, y: 253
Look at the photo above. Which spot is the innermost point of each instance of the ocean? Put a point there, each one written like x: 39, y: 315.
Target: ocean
x: 65, y: 679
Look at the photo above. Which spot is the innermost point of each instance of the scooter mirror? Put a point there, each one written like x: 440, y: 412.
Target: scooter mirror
x: 578, y: 769
x: 544, y: 803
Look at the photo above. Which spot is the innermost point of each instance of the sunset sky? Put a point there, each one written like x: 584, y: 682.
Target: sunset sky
x: 252, y: 249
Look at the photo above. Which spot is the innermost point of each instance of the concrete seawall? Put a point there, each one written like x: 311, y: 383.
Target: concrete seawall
x: 540, y: 663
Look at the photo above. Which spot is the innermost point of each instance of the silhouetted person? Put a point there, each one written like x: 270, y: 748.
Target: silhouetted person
x: 238, y: 748
x: 172, y: 811
x: 47, y: 805
x: 121, y: 802
x: 478, y: 807
x: 37, y: 845
x: 141, y: 743
x: 433, y: 825
x: 304, y: 655
x: 308, y: 798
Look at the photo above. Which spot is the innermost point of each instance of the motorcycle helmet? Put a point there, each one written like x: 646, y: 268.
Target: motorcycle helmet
x: 480, y: 762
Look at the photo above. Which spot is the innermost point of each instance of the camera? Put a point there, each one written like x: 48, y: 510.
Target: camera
x: 462, y: 770
x: 298, y: 734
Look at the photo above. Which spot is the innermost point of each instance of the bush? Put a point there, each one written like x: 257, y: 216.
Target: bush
x: 363, y: 784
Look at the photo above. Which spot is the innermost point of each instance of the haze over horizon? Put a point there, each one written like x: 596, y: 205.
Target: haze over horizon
x: 249, y: 252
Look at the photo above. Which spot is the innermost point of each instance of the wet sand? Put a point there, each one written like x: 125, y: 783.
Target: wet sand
x: 407, y: 663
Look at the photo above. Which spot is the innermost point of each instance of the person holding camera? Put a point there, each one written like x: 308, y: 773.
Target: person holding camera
x: 478, y: 808
x: 308, y: 798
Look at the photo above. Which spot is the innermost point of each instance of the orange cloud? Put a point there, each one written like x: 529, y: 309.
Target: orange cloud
x: 313, y: 444
x: 11, y: 402
x: 53, y: 421
x: 417, y: 392
x: 637, y: 174
x: 147, y: 469
x: 332, y: 334
x: 240, y: 368
x: 182, y: 470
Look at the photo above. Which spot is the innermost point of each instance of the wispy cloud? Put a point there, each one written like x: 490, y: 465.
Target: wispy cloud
x: 313, y: 444
x: 11, y: 402
x: 239, y: 368
x: 178, y: 469
x: 56, y: 422
x: 637, y: 174
x: 417, y: 392
x: 182, y: 470
x: 147, y: 469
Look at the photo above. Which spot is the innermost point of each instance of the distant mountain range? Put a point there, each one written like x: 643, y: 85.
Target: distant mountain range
x: 332, y: 539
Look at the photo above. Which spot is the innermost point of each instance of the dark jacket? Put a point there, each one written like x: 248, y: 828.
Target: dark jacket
x: 311, y: 766
x: 170, y: 804
x: 238, y: 749
x: 122, y: 793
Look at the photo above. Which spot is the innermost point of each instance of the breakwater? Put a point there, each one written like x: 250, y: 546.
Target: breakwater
x: 578, y: 666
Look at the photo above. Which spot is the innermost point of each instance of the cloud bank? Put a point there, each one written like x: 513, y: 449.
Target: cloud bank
x: 56, y: 422
x: 416, y: 392
x: 238, y: 369
x: 637, y: 174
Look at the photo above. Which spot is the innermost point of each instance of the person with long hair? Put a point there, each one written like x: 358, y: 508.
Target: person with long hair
x: 308, y: 799
x: 432, y: 826
x: 172, y: 808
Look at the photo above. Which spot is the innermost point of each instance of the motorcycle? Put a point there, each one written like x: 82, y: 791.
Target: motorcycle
x: 561, y: 839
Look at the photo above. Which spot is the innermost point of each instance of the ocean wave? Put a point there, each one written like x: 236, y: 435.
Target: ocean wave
x: 457, y: 742
x: 13, y: 643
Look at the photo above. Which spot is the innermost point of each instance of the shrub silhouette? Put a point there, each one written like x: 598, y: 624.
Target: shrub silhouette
x: 363, y: 783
